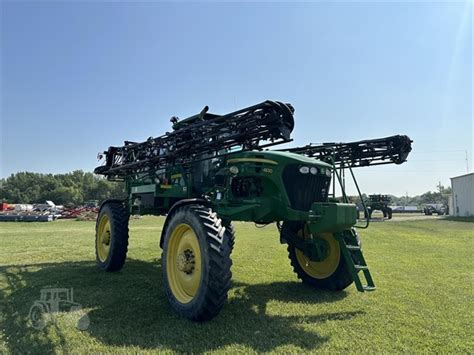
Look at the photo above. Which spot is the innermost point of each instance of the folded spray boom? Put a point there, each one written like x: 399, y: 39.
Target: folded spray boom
x: 203, y: 136
x: 388, y: 150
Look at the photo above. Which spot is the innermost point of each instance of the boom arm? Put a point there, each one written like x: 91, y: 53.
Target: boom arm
x: 388, y: 150
x: 203, y: 136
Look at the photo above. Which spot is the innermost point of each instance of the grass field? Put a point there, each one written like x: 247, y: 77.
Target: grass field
x: 424, y: 302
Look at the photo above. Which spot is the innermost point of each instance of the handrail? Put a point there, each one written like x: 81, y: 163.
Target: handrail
x: 344, y: 195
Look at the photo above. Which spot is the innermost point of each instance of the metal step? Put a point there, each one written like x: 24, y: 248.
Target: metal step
x: 353, y: 247
x: 355, y: 260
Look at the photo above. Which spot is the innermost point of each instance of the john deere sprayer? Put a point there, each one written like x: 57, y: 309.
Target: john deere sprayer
x: 379, y: 203
x: 210, y: 170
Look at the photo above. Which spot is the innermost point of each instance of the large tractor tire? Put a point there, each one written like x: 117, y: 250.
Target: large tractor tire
x: 111, y: 236
x: 196, y: 262
x: 330, y: 274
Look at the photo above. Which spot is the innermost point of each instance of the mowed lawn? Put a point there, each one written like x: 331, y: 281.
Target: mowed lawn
x: 423, y: 270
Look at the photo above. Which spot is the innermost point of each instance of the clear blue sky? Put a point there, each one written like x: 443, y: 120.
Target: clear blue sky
x: 78, y: 77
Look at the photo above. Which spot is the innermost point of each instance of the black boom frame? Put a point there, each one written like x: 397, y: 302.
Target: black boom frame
x: 388, y: 150
x: 202, y: 136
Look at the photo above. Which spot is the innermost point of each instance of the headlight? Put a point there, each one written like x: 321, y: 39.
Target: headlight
x: 313, y: 170
x: 328, y: 172
x: 234, y: 170
x: 304, y: 170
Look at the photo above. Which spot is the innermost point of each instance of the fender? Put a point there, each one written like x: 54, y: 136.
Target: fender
x: 111, y: 200
x: 180, y: 203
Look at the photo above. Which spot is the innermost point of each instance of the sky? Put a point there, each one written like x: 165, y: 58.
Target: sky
x: 77, y: 77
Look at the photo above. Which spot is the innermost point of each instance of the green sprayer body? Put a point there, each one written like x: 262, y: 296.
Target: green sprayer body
x: 257, y: 186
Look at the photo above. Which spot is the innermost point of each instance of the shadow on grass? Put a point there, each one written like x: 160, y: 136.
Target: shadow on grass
x: 458, y: 219
x: 129, y: 308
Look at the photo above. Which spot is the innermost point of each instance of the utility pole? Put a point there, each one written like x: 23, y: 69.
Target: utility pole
x: 467, y: 162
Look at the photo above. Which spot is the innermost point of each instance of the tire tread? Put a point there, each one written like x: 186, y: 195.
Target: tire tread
x: 118, y: 220
x: 220, y: 240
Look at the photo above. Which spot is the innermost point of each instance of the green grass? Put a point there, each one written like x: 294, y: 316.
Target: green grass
x: 424, y: 301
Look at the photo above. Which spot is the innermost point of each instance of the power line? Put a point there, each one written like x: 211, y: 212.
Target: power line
x: 437, y: 160
x: 439, y: 151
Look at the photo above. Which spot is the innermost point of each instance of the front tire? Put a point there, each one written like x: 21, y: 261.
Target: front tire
x: 330, y: 274
x: 196, y: 262
x: 111, y: 236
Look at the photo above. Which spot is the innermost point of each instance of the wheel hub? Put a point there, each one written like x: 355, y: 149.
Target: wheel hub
x: 106, y: 238
x: 185, y: 261
x: 324, y: 268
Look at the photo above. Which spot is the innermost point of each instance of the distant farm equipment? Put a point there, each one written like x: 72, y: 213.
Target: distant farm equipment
x: 47, y: 212
x: 438, y: 208
x: 378, y: 203
x: 39, y: 212
x: 85, y: 213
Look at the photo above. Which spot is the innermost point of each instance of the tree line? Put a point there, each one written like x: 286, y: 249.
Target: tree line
x: 77, y: 187
x: 63, y: 189
x: 440, y: 195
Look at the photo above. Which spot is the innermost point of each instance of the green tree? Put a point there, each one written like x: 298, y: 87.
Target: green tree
x: 71, y: 188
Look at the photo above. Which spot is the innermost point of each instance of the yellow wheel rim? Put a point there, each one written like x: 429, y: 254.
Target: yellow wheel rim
x: 103, y: 238
x: 183, y: 263
x: 320, y: 269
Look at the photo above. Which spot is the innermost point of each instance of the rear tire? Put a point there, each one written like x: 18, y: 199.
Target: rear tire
x: 196, y: 262
x: 336, y: 275
x: 111, y: 239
